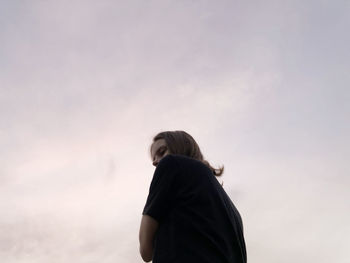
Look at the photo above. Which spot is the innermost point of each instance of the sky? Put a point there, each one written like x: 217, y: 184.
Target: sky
x: 262, y: 86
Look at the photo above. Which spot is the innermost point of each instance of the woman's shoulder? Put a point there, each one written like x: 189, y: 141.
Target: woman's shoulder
x: 184, y: 161
x: 179, y: 158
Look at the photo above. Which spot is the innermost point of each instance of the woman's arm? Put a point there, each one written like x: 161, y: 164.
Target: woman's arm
x: 147, y: 233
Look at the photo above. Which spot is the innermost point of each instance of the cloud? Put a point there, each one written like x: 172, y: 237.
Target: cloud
x: 85, y: 85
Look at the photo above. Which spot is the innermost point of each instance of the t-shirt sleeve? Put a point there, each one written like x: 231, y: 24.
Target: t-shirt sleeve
x: 161, y: 192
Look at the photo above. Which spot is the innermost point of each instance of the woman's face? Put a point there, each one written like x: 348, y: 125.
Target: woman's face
x: 158, y: 151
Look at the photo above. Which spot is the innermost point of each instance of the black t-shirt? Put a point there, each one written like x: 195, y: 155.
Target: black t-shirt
x: 197, y: 220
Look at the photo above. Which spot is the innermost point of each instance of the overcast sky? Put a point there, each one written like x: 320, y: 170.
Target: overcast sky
x: 263, y: 87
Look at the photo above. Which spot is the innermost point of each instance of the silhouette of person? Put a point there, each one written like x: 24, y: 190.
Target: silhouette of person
x: 188, y: 217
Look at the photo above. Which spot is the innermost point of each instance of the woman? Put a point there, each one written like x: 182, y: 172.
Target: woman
x: 188, y: 217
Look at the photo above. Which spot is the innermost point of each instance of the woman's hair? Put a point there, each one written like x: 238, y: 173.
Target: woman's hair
x: 180, y: 142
